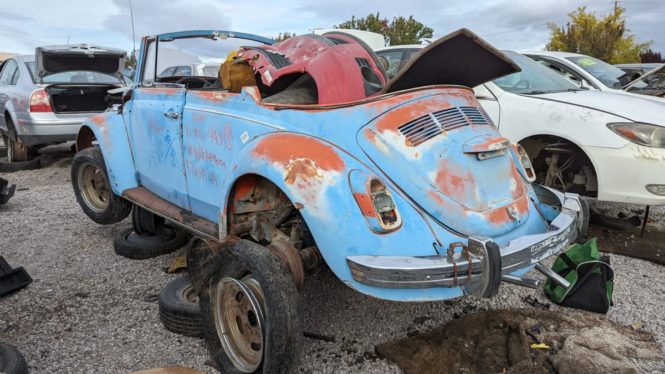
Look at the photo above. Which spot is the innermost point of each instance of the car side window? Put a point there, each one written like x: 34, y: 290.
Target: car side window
x: 564, y: 71
x: 8, y: 73
x: 395, y: 61
x: 167, y: 72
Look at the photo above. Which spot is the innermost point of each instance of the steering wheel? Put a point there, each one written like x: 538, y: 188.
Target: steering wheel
x: 522, y: 83
x: 185, y: 80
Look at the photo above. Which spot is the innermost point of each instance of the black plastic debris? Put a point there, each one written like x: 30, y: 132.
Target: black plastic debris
x: 6, y: 191
x: 12, y: 279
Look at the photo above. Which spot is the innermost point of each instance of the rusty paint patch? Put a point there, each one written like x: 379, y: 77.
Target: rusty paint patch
x: 283, y: 148
x: 214, y: 96
x: 501, y: 216
x: 302, y: 168
x: 406, y: 113
x: 160, y: 91
x: 452, y: 181
x: 102, y: 125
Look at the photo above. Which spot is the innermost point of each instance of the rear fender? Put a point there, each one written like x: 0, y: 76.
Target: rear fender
x: 314, y: 175
x: 109, y: 131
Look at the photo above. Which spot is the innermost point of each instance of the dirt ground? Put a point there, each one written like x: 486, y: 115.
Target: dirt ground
x: 497, y: 341
x: 650, y: 247
x: 91, y: 311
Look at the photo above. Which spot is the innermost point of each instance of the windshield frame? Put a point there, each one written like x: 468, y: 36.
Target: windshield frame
x: 169, y: 37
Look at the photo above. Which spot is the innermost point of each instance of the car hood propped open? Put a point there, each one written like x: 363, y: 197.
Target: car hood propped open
x: 81, y: 57
x: 459, y: 58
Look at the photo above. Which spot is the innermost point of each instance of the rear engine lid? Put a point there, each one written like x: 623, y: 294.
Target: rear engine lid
x: 51, y: 60
x: 445, y: 153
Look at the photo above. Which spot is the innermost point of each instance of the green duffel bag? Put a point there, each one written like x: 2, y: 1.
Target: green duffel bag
x: 590, y: 275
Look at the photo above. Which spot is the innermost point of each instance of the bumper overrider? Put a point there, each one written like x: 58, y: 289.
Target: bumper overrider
x: 479, y: 265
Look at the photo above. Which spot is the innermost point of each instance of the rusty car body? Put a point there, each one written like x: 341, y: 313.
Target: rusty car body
x: 404, y: 187
x: 196, y: 157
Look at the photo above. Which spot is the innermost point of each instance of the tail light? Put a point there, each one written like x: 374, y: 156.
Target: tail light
x: 39, y: 102
x: 375, y: 202
x: 525, y: 166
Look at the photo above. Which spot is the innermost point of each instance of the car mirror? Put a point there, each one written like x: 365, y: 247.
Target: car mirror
x: 127, y: 95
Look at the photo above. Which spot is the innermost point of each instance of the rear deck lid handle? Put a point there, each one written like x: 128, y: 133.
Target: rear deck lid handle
x: 486, y: 143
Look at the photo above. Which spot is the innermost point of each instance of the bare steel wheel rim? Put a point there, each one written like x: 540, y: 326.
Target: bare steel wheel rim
x: 16, y: 151
x: 238, y: 314
x: 94, y: 187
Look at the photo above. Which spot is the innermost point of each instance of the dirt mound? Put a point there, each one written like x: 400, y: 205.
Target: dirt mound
x: 496, y: 341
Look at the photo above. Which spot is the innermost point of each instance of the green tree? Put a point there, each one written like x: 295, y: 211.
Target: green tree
x: 399, y: 31
x: 604, y: 37
x: 130, y: 61
x: 283, y: 36
x: 650, y: 56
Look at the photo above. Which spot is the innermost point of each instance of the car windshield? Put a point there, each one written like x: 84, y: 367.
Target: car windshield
x: 655, y: 80
x: 75, y: 76
x: 609, y: 75
x: 197, y: 56
x: 534, y: 79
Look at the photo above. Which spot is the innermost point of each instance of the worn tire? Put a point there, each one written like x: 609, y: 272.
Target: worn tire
x: 283, y: 327
x: 117, y: 208
x: 11, y: 360
x: 10, y: 167
x: 127, y: 244
x: 177, y: 309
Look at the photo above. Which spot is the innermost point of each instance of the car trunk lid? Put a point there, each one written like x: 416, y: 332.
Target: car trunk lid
x: 445, y: 153
x: 51, y: 60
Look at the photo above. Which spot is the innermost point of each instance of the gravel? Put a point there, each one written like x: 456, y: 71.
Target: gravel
x: 89, y: 310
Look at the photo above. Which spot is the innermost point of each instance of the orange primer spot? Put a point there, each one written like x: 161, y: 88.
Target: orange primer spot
x: 283, y: 148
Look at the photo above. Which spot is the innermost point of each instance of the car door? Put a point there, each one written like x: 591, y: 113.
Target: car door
x: 8, y: 80
x: 154, y: 122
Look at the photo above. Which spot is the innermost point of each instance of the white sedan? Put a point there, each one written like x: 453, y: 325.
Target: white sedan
x: 587, y: 71
x: 597, y: 143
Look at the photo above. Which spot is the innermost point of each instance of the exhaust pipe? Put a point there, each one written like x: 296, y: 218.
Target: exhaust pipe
x: 549, y: 273
x: 524, y: 282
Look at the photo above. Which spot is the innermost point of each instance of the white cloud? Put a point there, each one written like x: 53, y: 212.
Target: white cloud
x: 505, y: 23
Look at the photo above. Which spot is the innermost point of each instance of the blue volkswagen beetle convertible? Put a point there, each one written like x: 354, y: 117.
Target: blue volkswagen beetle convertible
x: 304, y: 152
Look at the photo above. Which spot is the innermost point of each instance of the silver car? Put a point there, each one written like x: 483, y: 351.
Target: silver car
x: 44, y: 98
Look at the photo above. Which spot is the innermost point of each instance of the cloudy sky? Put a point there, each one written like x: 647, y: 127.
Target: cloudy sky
x: 25, y: 24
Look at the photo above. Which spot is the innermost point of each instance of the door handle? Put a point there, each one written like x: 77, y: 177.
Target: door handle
x: 171, y: 114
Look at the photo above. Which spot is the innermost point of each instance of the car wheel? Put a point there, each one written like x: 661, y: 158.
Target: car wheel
x: 11, y: 360
x: 140, y: 247
x: 251, y: 311
x: 93, y: 191
x: 179, y: 308
x: 145, y: 222
x: 16, y: 150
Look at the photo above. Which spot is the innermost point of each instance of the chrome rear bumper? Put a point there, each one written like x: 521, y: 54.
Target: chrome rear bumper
x: 480, y: 264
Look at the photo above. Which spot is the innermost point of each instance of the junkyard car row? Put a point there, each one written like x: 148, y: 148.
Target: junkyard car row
x: 432, y: 177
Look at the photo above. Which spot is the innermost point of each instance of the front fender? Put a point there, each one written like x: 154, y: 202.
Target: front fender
x: 315, y: 174
x: 110, y: 132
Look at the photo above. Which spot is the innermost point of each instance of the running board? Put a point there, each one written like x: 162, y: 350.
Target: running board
x: 181, y: 217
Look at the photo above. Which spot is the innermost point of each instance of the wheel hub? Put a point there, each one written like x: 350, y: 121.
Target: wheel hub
x: 239, y: 320
x: 94, y: 187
